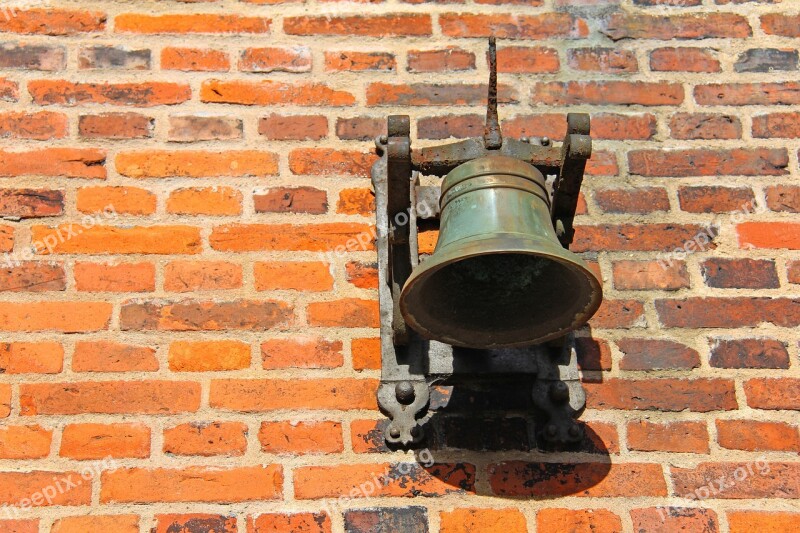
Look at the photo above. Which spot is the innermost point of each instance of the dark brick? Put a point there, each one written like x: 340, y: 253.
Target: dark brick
x: 113, y: 57
x: 593, y: 354
x: 116, y: 126
x: 766, y: 60
x: 31, y: 203
x: 292, y: 200
x: 704, y: 126
x: 483, y: 434
x: 656, y: 354
x: 740, y: 273
x: 195, y: 523
x: 638, y: 200
x: 360, y: 128
x: 748, y: 353
x: 32, y: 57
x: 187, y: 128
x: 716, y: 199
x: 458, y: 126
x: 386, y: 520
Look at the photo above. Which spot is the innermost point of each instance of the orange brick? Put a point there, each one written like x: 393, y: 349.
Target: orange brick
x: 74, y: 238
x: 206, y: 439
x: 754, y: 435
x: 53, y: 21
x: 194, y: 315
x: 293, y: 275
x: 40, y: 126
x: 187, y: 276
x: 274, y: 59
x: 60, y: 162
x: 362, y: 275
x: 270, y: 92
x: 205, y: 201
x: 31, y: 357
x: 253, y: 395
x: 19, y: 526
x: 192, y: 484
x: 668, y: 519
x: 194, y: 59
x: 5, y: 400
x: 483, y: 521
x: 172, y: 523
x: 359, y: 61
x: 143, y: 94
x: 109, y: 356
x: 113, y: 397
x: 24, y: 442
x: 190, y: 23
x: 301, y: 437
x: 128, y: 523
x: 116, y: 126
x: 301, y: 353
x: 196, y: 164
x: 18, y: 486
x: 761, y: 521
x: 366, y: 354
x: 206, y: 356
x: 122, y: 200
x: 356, y: 202
x: 769, y: 235
x: 6, y: 238
x: 345, y: 313
x: 289, y: 523
x: 122, y: 277
x: 374, y: 25
x: 312, y: 237
x: 645, y: 275
x: 67, y: 317
x: 97, y: 441
x: 689, y: 437
x: 519, y: 59
x: 325, y: 161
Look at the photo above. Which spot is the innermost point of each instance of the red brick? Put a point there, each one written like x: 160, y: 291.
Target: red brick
x: 669, y: 519
x: 297, y: 438
x: 639, y: 200
x: 293, y: 275
x: 116, y: 126
x: 704, y: 126
x: 111, y: 397
x: 291, y: 200
x: 684, y: 59
x: 704, y: 199
x: 303, y: 352
x: 63, y: 316
x: 196, y: 164
x: 360, y: 128
x: 24, y: 442
x: 441, y: 60
x: 31, y: 276
x: 142, y: 94
x: 769, y: 235
x: 618, y: 314
x: 345, y: 313
x: 656, y: 354
x: 31, y: 358
x: 289, y: 523
x: 740, y: 273
x: 785, y: 25
x: 522, y: 479
x: 39, y: 126
x: 520, y: 59
x: 578, y: 520
x: 326, y: 161
x: 205, y: 201
x: 773, y: 393
x: 109, y: 356
x: 6, y: 238
x: 123, y: 200
x: 53, y: 22
x: 119, y: 240
x: 271, y: 92
x: 192, y: 484
x: 604, y: 126
x: 313, y: 238
x: 171, y: 523
x: 253, y: 395
x: 607, y: 93
x: 443, y: 127
x: 356, y: 202
x: 677, y: 26
x: 366, y: 354
x: 383, y: 479
x: 783, y: 198
x: 206, y: 439
x: 208, y: 356
x: 195, y: 315
x: 31, y: 203
x: 128, y: 523
x: 679, y: 437
x: 767, y: 480
x: 434, y: 94
x: 703, y: 162
x: 360, y: 61
x: 780, y: 125
x: 188, y: 128
x: 396, y: 24
x: 787, y: 93
x: 593, y: 354
x: 631, y: 237
x: 189, y: 23
x: 602, y: 164
x: 98, y: 441
x: 761, y: 521
x: 362, y: 275
x: 728, y: 312
x: 122, y: 277
x: 754, y: 435
x: 293, y: 127
x: 506, y: 26
x: 19, y: 487
x: 699, y: 395
x: 482, y: 521
x: 286, y: 59
x: 56, y: 162
x: 194, y: 59
x: 5, y: 400
x: 649, y: 275
x: 793, y: 271
x: 189, y: 276
x: 602, y: 60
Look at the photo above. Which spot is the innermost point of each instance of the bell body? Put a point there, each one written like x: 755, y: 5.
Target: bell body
x: 498, y: 276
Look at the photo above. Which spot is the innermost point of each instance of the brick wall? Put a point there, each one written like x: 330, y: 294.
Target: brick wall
x: 179, y: 165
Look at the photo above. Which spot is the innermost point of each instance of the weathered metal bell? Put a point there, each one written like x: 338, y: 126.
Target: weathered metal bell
x: 499, y: 276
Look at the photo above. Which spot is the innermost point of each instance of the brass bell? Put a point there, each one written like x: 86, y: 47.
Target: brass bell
x: 499, y: 276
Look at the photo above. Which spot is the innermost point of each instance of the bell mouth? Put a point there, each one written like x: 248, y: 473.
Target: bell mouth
x: 500, y: 298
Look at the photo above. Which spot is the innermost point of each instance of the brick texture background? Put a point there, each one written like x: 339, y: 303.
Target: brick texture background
x: 200, y: 340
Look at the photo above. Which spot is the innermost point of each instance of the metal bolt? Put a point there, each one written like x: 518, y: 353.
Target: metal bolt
x: 574, y: 431
x: 545, y: 141
x: 559, y: 392
x: 550, y: 431
x: 394, y: 433
x: 404, y: 392
x: 383, y: 139
x: 523, y: 139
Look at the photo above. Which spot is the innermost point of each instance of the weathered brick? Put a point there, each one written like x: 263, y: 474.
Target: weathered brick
x: 443, y: 127
x: 362, y: 275
x: 742, y: 480
x: 143, y: 94
x: 270, y: 92
x: 766, y: 60
x: 5, y: 400
x: 639, y: 200
x: 359, y: 128
x: 646, y: 275
x: 680, y: 26
x: 703, y: 162
x: 482, y: 521
x: 288, y: 523
x: 755, y: 435
x: 710, y: 199
x: 442, y: 60
x: 205, y: 201
x: 109, y: 356
x: 98, y: 441
x: 507, y: 26
x: 32, y: 57
x: 111, y: 397
x: 119, y: 240
x: 600, y: 59
x: 194, y: 315
x: 773, y: 393
x: 39, y: 126
x: 192, y: 484
x: 345, y: 313
x: 772, y: 522
x: 793, y: 271
x: 109, y: 277
x: 769, y: 235
x: 699, y: 395
x: 663, y: 520
x: 578, y: 520
x: 116, y: 126
x: 191, y: 128
x: 56, y: 162
x: 206, y: 439
x: 787, y: 93
x: 607, y: 93
x: 656, y: 354
x: 749, y: 353
x: 123, y: 200
x: 356, y: 202
x: 522, y: 59
x: 63, y: 316
x: 360, y: 61
x: 208, y: 356
x: 786, y: 25
x: 196, y: 522
x: 19, y: 486
x: 31, y: 357
x: 781, y: 125
x: 678, y: 436
x: 31, y: 203
x: 128, y: 523
x: 24, y: 442
x: 297, y: 438
x: 293, y: 127
x: 189, y: 23
x: 292, y: 200
x: 302, y: 352
x: 684, y: 59
x: 704, y: 126
x: 104, y: 57
x: 434, y: 94
x: 783, y: 198
x: 285, y: 59
x: 645, y: 237
x: 593, y: 354
x: 366, y: 354
x: 315, y: 238
x: 189, y: 276
x: 409, y: 519
x: 293, y: 275
x: 618, y: 314
x: 253, y: 395
x: 698, y: 312
x: 32, y: 276
x: 397, y: 24
x: 195, y: 59
x: 740, y: 273
x: 54, y: 22
x: 196, y: 164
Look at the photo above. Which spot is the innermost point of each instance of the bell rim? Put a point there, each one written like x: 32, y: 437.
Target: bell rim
x: 560, y: 255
